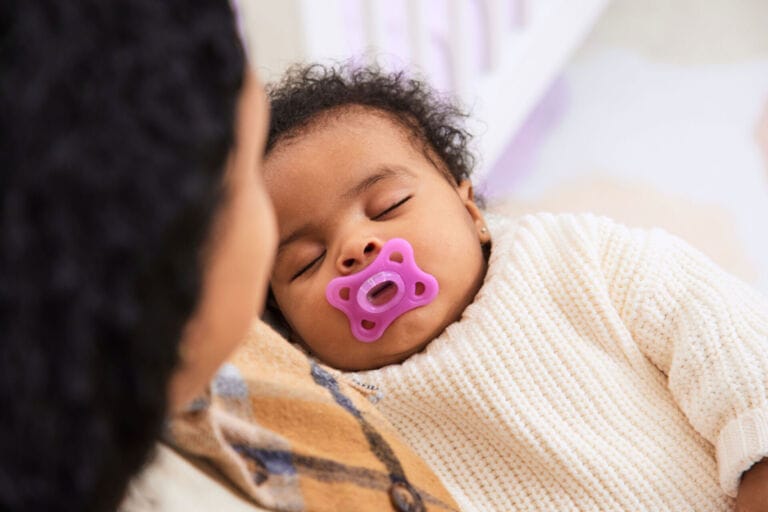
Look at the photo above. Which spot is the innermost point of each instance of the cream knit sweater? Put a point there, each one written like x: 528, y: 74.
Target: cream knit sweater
x: 599, y: 368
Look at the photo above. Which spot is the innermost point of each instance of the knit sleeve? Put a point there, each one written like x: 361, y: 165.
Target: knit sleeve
x: 706, y: 330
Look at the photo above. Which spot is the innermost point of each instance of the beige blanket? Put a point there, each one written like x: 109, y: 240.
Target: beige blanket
x: 290, y: 434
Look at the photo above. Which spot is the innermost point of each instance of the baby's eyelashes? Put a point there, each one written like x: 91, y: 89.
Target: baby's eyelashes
x: 392, y: 208
x: 309, y: 266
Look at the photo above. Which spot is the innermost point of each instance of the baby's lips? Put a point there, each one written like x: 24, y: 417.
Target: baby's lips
x: 367, y: 298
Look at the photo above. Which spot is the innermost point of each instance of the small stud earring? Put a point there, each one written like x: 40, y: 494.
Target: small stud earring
x: 483, y: 230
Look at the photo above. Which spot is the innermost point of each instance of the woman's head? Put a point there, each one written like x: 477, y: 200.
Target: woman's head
x: 121, y: 198
x: 347, y: 178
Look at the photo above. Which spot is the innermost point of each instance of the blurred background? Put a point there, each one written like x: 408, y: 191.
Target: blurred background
x: 654, y: 112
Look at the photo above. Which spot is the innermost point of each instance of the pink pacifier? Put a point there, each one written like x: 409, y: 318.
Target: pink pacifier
x: 390, y: 286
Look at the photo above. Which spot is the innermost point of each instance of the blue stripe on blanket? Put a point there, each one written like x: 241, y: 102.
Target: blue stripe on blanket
x: 377, y: 443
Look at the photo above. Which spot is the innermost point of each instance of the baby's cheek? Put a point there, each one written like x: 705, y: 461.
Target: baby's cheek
x: 321, y: 337
x: 312, y: 318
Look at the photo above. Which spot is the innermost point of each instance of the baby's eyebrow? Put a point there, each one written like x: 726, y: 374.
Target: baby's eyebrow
x: 380, y: 174
x: 292, y: 237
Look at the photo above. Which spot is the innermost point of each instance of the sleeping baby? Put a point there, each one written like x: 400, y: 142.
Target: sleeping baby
x: 547, y: 362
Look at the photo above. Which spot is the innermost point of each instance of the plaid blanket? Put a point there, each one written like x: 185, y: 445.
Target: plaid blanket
x: 295, y: 436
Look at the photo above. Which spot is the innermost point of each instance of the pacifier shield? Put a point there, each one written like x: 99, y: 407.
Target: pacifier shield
x: 377, y: 295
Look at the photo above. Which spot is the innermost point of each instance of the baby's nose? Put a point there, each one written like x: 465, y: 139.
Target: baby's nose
x: 356, y: 255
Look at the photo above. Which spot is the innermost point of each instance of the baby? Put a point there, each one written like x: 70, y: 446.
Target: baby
x: 540, y: 363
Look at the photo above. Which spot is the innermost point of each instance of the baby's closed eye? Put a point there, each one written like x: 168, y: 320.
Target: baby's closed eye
x: 309, y: 266
x: 383, y: 214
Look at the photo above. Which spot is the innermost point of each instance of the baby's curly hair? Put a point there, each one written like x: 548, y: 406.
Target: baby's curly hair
x: 117, y: 118
x: 308, y: 91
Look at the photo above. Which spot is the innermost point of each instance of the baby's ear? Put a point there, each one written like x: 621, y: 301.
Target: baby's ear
x: 467, y: 195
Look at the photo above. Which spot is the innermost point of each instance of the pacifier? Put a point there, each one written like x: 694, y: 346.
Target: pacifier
x: 374, y: 297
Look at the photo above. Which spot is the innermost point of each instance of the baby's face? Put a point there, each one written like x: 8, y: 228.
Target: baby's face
x: 341, y: 189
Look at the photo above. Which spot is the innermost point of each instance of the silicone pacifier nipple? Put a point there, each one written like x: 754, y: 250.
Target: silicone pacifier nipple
x: 387, y: 288
x: 380, y: 292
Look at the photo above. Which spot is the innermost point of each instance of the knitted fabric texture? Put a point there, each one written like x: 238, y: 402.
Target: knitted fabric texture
x: 291, y: 437
x: 599, y: 368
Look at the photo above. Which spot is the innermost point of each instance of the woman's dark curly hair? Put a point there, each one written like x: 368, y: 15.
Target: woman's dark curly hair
x: 116, y: 121
x: 307, y: 91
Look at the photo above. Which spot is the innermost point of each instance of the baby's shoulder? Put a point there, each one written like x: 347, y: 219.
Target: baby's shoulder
x: 555, y: 228
x: 559, y: 242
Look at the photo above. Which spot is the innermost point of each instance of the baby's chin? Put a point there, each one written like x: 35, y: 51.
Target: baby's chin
x: 408, y: 335
x: 399, y: 342
x: 415, y: 330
